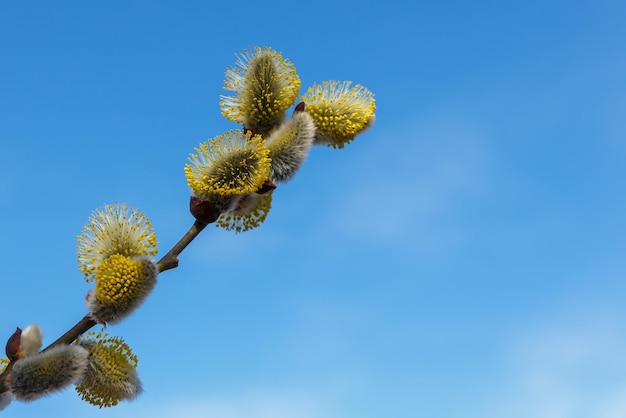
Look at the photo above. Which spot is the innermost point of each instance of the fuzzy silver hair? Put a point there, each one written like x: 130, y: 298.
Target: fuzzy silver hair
x: 289, y: 145
x: 47, y: 372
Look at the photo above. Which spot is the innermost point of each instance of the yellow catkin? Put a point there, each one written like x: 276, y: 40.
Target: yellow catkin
x: 249, y: 213
x: 118, y: 279
x: 339, y: 111
x: 264, y: 86
x: 231, y: 164
x: 114, y: 229
x: 111, y: 376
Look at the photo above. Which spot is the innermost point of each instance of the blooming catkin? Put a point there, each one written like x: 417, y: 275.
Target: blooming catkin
x: 340, y: 111
x: 264, y: 85
x: 122, y: 284
x: 227, y: 167
x: 111, y: 375
x: 249, y: 212
x: 114, y: 229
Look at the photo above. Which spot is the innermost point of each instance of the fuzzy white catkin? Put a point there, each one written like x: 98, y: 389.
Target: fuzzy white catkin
x: 30, y: 340
x: 289, y: 145
x: 47, y: 372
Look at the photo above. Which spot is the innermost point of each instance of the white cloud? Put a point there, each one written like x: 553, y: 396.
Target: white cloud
x: 424, y: 173
x: 572, y: 367
x: 615, y: 406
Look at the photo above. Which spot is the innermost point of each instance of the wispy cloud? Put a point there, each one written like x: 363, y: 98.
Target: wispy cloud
x: 426, y: 172
x: 571, y: 367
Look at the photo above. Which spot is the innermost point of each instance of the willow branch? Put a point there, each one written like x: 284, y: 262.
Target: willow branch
x: 167, y: 262
x: 170, y: 260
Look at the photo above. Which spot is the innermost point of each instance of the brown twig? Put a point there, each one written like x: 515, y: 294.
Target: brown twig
x: 167, y: 262
x: 170, y: 260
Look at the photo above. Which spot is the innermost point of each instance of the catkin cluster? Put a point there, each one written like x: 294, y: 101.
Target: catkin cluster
x: 232, y: 177
x: 236, y: 172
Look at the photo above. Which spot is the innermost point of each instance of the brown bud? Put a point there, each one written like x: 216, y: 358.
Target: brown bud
x: 252, y: 133
x: 13, y: 345
x: 299, y: 108
x: 267, y: 187
x: 203, y: 210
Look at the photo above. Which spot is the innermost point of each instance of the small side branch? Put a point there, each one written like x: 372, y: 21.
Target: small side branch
x: 170, y: 260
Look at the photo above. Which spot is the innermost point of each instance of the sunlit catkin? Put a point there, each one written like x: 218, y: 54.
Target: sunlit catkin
x: 111, y: 376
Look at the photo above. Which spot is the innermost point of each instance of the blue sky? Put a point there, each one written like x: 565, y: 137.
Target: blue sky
x: 463, y: 258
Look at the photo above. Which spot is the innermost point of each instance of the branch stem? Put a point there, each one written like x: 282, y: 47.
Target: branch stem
x: 170, y: 260
x: 167, y: 262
